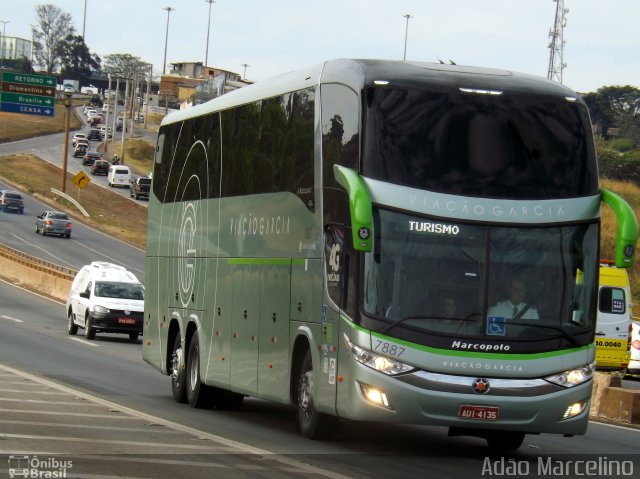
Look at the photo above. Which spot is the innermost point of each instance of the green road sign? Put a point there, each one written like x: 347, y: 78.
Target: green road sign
x: 27, y: 93
x: 29, y: 79
x: 27, y: 99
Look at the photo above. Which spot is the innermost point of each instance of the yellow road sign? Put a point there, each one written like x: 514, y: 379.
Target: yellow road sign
x: 81, y: 180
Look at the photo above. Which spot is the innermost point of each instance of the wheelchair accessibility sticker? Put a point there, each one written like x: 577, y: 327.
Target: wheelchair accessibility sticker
x: 496, y: 326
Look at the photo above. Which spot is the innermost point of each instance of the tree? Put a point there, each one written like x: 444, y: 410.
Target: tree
x: 125, y: 65
x: 53, y: 26
x: 76, y: 60
x: 616, y: 106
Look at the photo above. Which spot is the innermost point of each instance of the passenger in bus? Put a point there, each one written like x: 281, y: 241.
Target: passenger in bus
x: 515, y: 307
x: 449, y: 307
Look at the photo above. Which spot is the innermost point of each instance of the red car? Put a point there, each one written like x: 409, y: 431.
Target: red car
x: 100, y: 167
x: 91, y: 157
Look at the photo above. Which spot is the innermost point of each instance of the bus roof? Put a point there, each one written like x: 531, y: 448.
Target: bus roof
x: 358, y: 73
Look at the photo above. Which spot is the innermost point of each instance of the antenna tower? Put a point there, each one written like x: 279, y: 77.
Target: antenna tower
x: 556, y: 45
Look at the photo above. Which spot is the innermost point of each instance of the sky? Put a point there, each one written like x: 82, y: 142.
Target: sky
x: 602, y: 37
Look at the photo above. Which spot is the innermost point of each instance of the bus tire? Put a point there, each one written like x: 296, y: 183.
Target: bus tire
x: 199, y: 395
x: 177, y: 371
x: 309, y: 422
x: 72, y: 328
x: 505, y: 440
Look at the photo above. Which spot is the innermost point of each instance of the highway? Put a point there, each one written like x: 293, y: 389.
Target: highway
x: 98, y: 404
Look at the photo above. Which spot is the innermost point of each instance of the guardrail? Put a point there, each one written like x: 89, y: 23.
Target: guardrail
x: 36, y: 264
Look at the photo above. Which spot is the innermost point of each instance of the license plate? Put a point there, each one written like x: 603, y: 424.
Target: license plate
x: 126, y: 321
x: 485, y: 413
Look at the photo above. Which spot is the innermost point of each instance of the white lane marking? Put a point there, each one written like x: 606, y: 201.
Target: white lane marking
x: 113, y: 260
x: 12, y: 319
x: 195, y: 447
x: 222, y: 441
x: 86, y: 343
x: 53, y: 300
x: 45, y: 251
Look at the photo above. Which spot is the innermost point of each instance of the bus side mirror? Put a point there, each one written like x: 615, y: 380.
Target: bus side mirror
x: 361, y: 209
x: 627, y: 232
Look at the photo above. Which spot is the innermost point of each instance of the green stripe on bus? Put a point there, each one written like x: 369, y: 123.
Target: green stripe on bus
x: 471, y: 354
x: 270, y: 261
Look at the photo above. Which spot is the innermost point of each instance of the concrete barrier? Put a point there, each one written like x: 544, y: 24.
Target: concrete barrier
x: 34, y: 274
x: 620, y: 405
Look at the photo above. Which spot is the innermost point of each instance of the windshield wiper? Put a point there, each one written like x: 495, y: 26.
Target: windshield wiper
x: 564, y: 332
x: 418, y: 316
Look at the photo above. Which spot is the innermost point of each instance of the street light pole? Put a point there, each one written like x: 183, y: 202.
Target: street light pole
x: 2, y: 47
x: 244, y: 75
x: 84, y: 21
x: 67, y: 105
x: 206, y: 55
x: 406, y: 32
x: 166, y: 38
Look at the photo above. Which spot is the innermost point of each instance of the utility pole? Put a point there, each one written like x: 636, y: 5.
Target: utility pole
x: 115, y: 110
x: 146, y: 106
x: 556, y: 45
x: 206, y: 55
x: 166, y: 39
x: 106, y: 121
x: 406, y: 32
x: 67, y: 105
x: 124, y: 121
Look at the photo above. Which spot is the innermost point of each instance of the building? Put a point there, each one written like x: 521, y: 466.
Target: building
x: 14, y: 48
x: 191, y: 83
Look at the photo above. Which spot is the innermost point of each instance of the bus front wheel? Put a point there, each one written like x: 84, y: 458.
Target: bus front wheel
x: 177, y: 372
x: 199, y: 395
x: 311, y: 423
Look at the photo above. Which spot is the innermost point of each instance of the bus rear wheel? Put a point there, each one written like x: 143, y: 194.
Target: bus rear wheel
x: 311, y: 423
x: 177, y: 371
x: 199, y: 395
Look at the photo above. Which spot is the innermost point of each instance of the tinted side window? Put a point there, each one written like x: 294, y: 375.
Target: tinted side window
x: 340, y: 124
x: 187, y: 161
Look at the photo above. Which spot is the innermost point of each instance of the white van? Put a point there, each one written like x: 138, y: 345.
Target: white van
x: 105, y: 297
x: 119, y: 175
x: 613, y: 327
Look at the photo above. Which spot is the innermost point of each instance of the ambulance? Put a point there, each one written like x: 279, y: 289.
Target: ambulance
x: 613, y: 328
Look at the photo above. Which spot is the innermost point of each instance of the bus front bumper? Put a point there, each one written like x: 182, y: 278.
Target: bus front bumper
x: 525, y: 405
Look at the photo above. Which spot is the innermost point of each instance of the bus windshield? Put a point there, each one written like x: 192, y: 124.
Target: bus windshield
x: 434, y: 277
x: 472, y: 143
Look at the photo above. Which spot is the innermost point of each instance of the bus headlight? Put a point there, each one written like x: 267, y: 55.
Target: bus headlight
x: 375, y: 361
x: 573, y: 377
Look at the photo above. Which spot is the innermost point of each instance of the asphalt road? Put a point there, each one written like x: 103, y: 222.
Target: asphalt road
x: 85, y: 245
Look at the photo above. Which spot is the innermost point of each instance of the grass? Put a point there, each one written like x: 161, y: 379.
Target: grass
x: 110, y: 212
x: 17, y: 126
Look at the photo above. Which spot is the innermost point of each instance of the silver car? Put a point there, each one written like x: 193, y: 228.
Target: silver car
x: 53, y: 222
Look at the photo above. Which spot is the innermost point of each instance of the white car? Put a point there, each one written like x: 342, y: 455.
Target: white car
x: 105, y: 297
x: 634, y: 363
x: 78, y: 137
